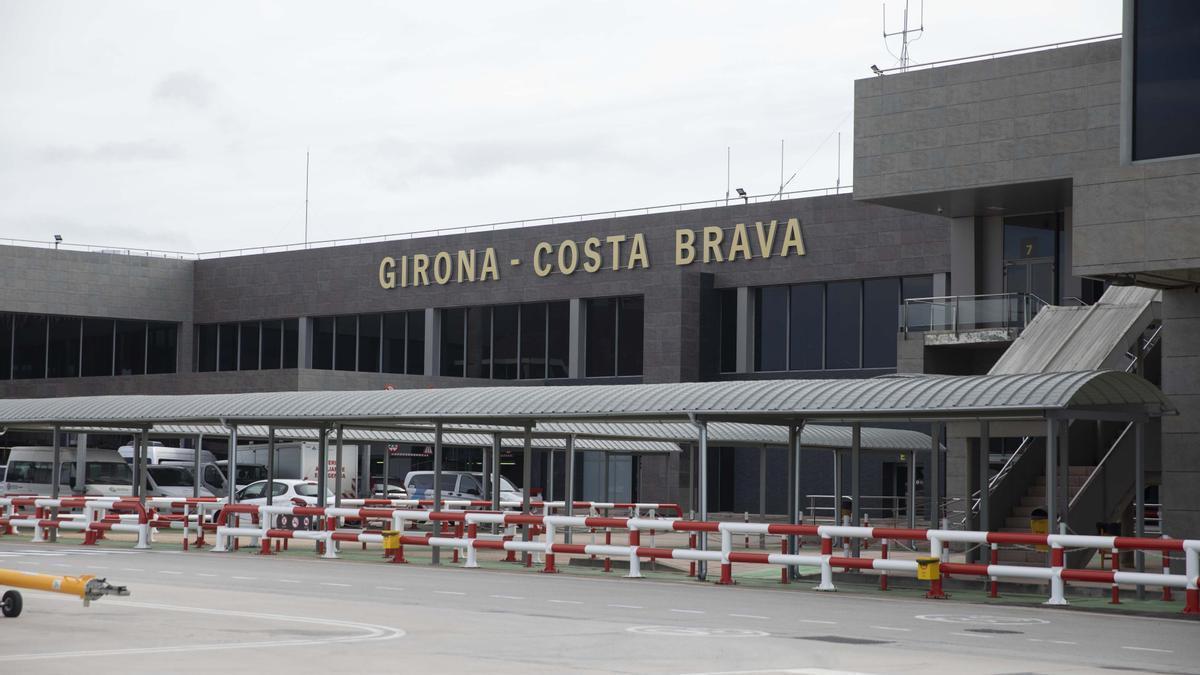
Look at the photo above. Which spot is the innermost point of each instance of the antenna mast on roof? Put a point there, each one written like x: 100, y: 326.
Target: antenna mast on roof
x: 306, y: 198
x: 904, y: 33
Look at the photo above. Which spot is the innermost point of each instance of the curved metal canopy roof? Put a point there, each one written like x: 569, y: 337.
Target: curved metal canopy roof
x: 926, y: 397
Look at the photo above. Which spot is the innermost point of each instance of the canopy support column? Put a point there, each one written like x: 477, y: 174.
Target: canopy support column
x: 985, y: 476
x: 337, y: 469
x: 795, y: 492
x: 569, y: 482
x: 934, y: 479
x: 1064, y: 474
x: 322, y: 464
x: 387, y: 471
x: 1139, y: 497
x: 911, y: 497
x: 1052, y: 474
x: 549, y: 495
x: 527, y: 477
x: 702, y: 459
x: 762, y: 483
x: 56, y: 479
x: 855, y: 482
x: 437, y: 488
x: 196, y: 477
x: 270, y: 465
x: 497, y: 448
x: 231, y: 479
x: 837, y: 487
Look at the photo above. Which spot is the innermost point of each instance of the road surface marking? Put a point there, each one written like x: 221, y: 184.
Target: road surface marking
x: 245, y: 578
x: 288, y: 581
x: 974, y: 635
x: 450, y: 592
x: 330, y: 583
x: 132, y: 569
x: 1062, y: 642
x: 1148, y: 649
x: 389, y: 588
x: 904, y: 630
x: 749, y: 616
x: 566, y: 602
x: 204, y: 574
x: 688, y: 611
x: 172, y: 572
x: 627, y: 606
x: 507, y: 597
x: 61, y: 565
x: 827, y: 623
x: 97, y: 567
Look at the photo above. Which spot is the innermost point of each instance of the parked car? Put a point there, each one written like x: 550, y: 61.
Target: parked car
x: 456, y: 485
x: 390, y: 491
x: 285, y: 492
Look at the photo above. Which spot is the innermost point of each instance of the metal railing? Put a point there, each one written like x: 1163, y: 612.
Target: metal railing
x: 95, y: 248
x: 992, y: 55
x: 885, y: 507
x: 954, y: 313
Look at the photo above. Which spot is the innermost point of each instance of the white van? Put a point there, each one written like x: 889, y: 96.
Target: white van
x: 30, y: 470
x: 159, y: 454
x: 172, y: 479
x: 456, y: 485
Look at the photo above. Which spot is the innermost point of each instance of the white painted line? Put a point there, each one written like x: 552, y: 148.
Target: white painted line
x: 827, y: 623
x: 507, y: 597
x: 627, y: 606
x: 204, y: 574
x: 902, y: 630
x: 566, y: 602
x: 330, y: 583
x: 749, y: 616
x: 974, y: 635
x: 386, y: 588
x: 688, y: 611
x: 288, y: 581
x: 97, y: 567
x: 132, y: 569
x: 1062, y: 642
x: 450, y: 592
x: 169, y: 572
x: 1148, y: 649
x: 244, y: 578
x: 61, y: 565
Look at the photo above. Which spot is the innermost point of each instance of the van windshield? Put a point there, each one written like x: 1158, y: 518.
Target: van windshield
x: 107, y: 473
x: 172, y: 476
x: 251, y: 473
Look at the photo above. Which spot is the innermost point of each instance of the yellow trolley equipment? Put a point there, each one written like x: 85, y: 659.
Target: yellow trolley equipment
x: 87, y: 587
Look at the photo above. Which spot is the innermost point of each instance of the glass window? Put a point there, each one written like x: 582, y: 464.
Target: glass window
x: 558, y: 338
x: 770, y: 328
x: 479, y: 341
x: 393, y: 342
x: 533, y: 341
x: 278, y: 488
x: 881, y: 298
x: 368, y: 343
x: 806, y: 332
x: 504, y: 341
x: 322, y: 348
x: 107, y: 473
x: 630, y: 328
x: 919, y: 315
x: 171, y: 476
x: 131, y: 347
x: 843, y: 324
x: 29, y: 346
x: 469, y: 485
x: 728, y: 302
x: 63, y: 358
x: 206, y: 347
x: 291, y: 343
x: 254, y: 491
x: 345, y: 344
x: 601, y: 338
x: 454, y: 330
x: 272, y: 344
x: 248, y: 355
x: 227, y: 346
x: 6, y: 323
x: 1032, y: 236
x: 414, y: 353
x: 162, y: 345
x: 1166, y: 58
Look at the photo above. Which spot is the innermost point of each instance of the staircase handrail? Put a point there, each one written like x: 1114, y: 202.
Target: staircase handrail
x: 1099, y: 466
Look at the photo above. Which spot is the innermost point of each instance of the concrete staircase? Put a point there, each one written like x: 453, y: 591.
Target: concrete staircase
x: 1035, y: 498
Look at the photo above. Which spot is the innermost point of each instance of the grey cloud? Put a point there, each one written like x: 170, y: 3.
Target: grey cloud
x: 474, y: 159
x: 117, y: 151
x: 187, y: 88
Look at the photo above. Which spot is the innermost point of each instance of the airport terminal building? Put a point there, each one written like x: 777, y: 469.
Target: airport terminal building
x: 987, y: 192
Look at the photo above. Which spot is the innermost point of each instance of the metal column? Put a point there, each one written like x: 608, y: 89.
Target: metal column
x: 485, y: 475
x: 387, y: 472
x: 762, y: 483
x: 527, y: 477
x: 1064, y: 473
x: 437, y: 487
x: 569, y: 482
x: 497, y: 448
x: 270, y: 465
x: 231, y: 479
x: 1139, y: 497
x: 549, y: 496
x: 196, y: 477
x: 837, y: 487
x: 702, y: 459
x: 337, y: 469
x: 143, y: 450
x: 56, y: 479
x: 855, y: 482
x: 1052, y: 474
x: 985, y: 475
x: 322, y: 465
x: 934, y: 480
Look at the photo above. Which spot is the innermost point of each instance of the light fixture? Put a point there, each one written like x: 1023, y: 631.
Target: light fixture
x: 57, y: 240
x: 875, y: 69
x: 742, y: 194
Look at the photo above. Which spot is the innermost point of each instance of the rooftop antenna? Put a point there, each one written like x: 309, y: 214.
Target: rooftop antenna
x: 904, y: 34
x: 306, y: 153
x: 781, y: 183
x: 838, y: 185
x: 727, y: 166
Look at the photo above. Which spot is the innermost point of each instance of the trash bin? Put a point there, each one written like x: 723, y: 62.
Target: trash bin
x: 391, y: 540
x: 929, y: 569
x: 1039, y: 524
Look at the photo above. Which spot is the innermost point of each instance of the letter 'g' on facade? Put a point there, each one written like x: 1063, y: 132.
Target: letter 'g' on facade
x: 387, y: 272
x: 685, y: 246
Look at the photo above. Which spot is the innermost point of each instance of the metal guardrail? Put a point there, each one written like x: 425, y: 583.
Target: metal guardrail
x: 888, y: 506
x: 95, y: 248
x: 954, y: 313
x: 992, y: 55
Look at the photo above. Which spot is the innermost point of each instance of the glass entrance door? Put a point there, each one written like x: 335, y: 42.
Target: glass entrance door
x: 1034, y: 275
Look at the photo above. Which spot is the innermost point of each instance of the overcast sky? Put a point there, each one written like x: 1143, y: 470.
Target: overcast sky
x: 184, y: 126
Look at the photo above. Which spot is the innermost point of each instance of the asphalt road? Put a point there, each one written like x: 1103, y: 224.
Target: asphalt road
x: 209, y: 612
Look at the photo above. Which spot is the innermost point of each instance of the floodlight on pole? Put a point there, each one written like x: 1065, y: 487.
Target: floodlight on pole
x: 742, y: 193
x: 57, y: 240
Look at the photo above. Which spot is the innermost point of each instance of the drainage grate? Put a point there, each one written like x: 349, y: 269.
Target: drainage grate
x: 993, y: 631
x: 842, y: 640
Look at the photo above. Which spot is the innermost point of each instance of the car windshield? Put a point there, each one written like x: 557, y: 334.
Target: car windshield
x: 251, y: 472
x: 108, y: 473
x: 172, y: 476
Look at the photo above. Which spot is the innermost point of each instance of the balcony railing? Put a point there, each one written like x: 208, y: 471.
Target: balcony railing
x: 957, y: 313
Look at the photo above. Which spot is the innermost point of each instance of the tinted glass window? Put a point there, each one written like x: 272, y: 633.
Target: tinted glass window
x: 454, y: 328
x: 770, y: 328
x: 345, y: 343
x: 505, y: 319
x: 1032, y: 236
x: 1166, y: 60
x: 843, y: 314
x: 171, y: 476
x: 29, y: 346
x: 393, y: 342
x: 479, y: 341
x: 533, y: 341
x: 630, y: 328
x: 6, y: 322
x: 881, y: 298
x: 291, y: 343
x: 272, y: 345
x: 806, y: 334
x: 728, y: 300
x: 415, y: 350
x: 161, y: 342
x: 63, y: 358
x: 558, y: 338
x: 918, y: 315
x: 368, y: 343
x: 601, y: 338
x: 248, y: 356
x: 206, y: 347
x: 107, y: 473
x: 131, y: 347
x: 97, y: 346
x: 227, y: 346
x: 322, y: 347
